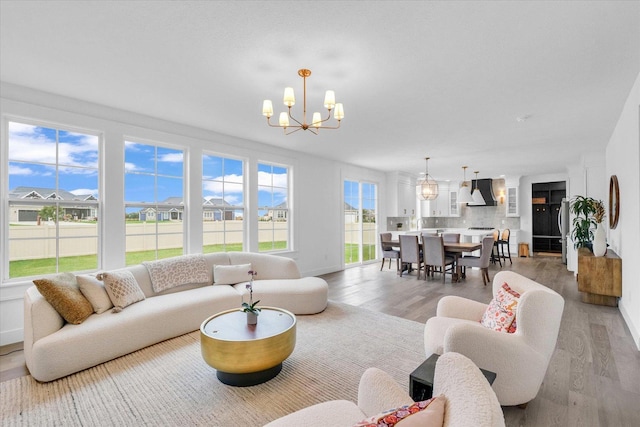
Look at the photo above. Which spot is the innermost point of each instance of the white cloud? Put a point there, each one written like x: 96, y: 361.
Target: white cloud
x: 30, y: 143
x: 171, y: 157
x: 130, y: 167
x: 19, y: 170
x: 21, y: 129
x: 279, y: 181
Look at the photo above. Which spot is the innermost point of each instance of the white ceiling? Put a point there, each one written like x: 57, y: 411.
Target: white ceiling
x: 443, y: 79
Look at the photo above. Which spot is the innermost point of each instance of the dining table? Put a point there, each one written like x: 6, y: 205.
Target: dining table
x: 457, y: 249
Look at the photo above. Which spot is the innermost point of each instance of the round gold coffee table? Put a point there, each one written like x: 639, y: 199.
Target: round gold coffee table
x: 245, y: 355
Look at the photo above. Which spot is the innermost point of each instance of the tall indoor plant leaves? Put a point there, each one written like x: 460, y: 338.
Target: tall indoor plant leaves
x: 584, y: 209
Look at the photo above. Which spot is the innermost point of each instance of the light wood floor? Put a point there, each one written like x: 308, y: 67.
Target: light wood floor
x: 594, y: 375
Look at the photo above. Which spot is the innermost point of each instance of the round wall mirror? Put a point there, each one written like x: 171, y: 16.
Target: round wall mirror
x: 614, y: 202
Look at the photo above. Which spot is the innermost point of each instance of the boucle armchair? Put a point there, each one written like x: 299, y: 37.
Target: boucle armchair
x: 470, y: 401
x: 519, y: 359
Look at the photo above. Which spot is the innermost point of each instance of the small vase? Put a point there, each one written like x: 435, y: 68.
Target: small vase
x: 252, y: 318
x: 599, y: 241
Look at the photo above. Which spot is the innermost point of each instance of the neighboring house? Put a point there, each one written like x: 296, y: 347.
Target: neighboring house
x: 351, y: 214
x: 279, y: 213
x: 165, y: 213
x: 30, y: 211
x: 213, y: 209
x: 216, y: 208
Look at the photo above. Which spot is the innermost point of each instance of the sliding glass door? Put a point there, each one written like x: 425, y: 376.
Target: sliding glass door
x: 360, y: 204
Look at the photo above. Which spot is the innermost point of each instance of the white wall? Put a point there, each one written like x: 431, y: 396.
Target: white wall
x: 317, y: 219
x: 623, y: 160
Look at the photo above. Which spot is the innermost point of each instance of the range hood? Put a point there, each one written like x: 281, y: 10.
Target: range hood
x: 486, y: 189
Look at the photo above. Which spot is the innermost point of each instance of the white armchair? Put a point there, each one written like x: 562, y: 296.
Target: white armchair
x: 519, y: 359
x: 470, y: 401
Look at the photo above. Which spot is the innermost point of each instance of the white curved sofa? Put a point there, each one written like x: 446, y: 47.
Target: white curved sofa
x: 54, y: 348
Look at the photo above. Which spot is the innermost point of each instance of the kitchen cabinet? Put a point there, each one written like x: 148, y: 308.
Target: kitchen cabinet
x: 512, y: 202
x: 401, y: 195
x: 546, y: 200
x: 406, y: 199
x: 445, y: 205
x: 454, y: 206
x: 439, y: 207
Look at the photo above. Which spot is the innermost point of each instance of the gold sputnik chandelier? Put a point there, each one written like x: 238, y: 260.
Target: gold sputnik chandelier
x: 316, y: 120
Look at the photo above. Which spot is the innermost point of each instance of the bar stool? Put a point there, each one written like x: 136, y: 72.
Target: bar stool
x: 495, y: 252
x: 502, y: 242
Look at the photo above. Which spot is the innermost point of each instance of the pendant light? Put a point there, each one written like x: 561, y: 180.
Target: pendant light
x: 476, y: 195
x: 464, y: 194
x: 427, y: 187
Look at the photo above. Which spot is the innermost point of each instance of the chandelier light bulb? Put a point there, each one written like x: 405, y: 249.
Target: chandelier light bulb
x: 329, y: 99
x: 267, y: 108
x: 284, y: 120
x: 338, y: 114
x: 289, y: 98
x: 316, y: 121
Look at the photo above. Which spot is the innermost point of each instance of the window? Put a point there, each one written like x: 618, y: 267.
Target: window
x: 154, y: 205
x: 360, y: 200
x: 273, y: 208
x: 222, y: 204
x: 53, y: 200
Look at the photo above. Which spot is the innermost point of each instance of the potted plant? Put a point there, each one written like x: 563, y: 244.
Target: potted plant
x: 599, y: 237
x: 584, y: 209
x: 251, y: 307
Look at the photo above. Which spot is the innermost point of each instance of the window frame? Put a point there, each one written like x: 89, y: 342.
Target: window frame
x: 289, y: 202
x: 245, y: 194
x: 95, y: 204
x: 157, y: 205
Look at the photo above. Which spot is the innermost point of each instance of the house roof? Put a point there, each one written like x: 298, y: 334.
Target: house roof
x: 24, y: 192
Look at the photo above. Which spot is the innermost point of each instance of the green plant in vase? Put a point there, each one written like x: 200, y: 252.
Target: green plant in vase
x: 584, y: 209
x: 251, y: 307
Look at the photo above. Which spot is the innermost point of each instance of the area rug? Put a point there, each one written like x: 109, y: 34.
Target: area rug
x: 170, y: 384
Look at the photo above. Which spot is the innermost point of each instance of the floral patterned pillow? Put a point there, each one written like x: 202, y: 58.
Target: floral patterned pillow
x: 427, y: 413
x: 501, y: 313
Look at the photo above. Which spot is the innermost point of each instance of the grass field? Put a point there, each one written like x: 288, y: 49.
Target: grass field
x: 351, y: 253
x: 35, y: 267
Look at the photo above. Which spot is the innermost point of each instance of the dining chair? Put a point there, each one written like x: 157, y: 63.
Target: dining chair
x: 388, y: 251
x: 451, y: 237
x: 424, y: 233
x: 501, y: 243
x: 434, y: 256
x: 481, y: 262
x: 410, y: 253
x: 495, y: 255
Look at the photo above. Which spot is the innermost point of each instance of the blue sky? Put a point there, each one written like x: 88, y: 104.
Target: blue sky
x: 34, y: 152
x: 352, y: 192
x: 32, y: 159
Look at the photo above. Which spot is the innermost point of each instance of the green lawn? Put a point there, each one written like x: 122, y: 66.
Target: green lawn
x: 351, y: 253
x: 35, y: 267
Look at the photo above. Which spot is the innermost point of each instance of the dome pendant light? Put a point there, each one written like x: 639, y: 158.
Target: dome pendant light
x: 464, y: 194
x: 476, y: 195
x: 427, y: 187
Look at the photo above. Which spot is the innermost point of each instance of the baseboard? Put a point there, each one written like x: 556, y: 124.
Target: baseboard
x: 627, y: 319
x: 11, y: 337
